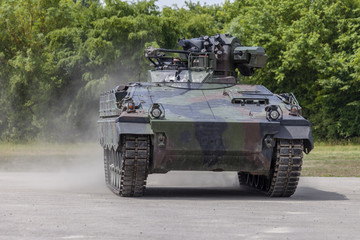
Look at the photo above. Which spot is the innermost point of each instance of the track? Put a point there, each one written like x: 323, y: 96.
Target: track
x: 286, y: 168
x: 126, y: 169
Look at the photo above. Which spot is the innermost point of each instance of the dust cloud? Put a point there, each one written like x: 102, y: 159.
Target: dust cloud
x: 78, y: 167
x: 55, y: 167
x: 72, y: 159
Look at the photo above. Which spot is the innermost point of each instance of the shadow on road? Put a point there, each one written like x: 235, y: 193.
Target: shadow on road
x: 242, y: 193
x: 201, y: 193
x: 313, y: 194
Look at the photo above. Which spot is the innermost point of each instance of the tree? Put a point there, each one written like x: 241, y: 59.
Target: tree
x: 312, y: 47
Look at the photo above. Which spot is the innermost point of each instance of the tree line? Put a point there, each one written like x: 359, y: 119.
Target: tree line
x: 56, y: 56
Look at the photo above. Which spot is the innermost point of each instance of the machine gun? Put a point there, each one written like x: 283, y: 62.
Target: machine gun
x: 222, y: 54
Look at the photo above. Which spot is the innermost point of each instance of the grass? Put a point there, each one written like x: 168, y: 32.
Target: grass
x: 332, y: 161
x: 41, y: 149
x: 324, y: 160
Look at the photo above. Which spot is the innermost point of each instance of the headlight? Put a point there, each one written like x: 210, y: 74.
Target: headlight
x: 156, y: 113
x: 295, y: 110
x: 274, y: 114
x: 130, y: 107
x: 157, y: 110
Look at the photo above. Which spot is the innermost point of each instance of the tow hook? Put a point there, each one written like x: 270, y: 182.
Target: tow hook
x: 269, y: 141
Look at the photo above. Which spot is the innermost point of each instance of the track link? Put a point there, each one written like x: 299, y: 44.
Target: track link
x: 285, y: 170
x: 126, y: 170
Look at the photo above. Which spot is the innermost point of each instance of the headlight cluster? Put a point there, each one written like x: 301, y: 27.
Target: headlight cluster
x: 273, y: 112
x: 157, y: 110
x: 130, y: 107
x: 295, y: 110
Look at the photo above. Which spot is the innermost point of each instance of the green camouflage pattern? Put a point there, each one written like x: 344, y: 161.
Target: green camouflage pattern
x: 197, y: 116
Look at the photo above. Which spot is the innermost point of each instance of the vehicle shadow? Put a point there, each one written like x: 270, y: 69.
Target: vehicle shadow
x: 204, y: 193
x: 313, y: 194
x: 240, y: 193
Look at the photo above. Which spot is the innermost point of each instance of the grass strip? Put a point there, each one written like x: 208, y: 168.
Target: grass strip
x: 325, y: 160
x: 332, y: 161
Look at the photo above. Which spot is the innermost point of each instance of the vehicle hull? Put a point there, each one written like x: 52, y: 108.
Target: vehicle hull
x: 192, y: 114
x: 205, y: 145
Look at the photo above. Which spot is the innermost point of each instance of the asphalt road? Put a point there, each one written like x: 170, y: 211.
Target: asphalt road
x: 72, y: 202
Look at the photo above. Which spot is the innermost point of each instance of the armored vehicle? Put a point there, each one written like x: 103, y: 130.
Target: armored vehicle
x: 191, y: 114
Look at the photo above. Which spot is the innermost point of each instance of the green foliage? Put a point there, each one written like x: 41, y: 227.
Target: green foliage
x: 313, y: 49
x: 56, y: 56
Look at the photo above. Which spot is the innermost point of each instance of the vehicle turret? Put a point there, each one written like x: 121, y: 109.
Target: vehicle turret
x: 222, y: 54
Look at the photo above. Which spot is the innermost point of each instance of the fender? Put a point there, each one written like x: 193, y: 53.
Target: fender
x: 297, y: 132
x: 133, y: 128
x: 110, y: 131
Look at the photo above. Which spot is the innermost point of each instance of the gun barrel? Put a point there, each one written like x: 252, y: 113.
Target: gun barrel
x: 171, y: 50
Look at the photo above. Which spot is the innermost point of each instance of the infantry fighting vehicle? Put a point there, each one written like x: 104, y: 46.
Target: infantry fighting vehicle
x: 191, y: 114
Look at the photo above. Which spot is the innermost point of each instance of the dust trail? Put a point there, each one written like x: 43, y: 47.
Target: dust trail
x: 68, y: 166
x: 56, y: 167
x: 79, y: 168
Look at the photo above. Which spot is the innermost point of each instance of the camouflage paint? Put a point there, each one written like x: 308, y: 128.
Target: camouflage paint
x: 204, y: 126
x: 203, y: 129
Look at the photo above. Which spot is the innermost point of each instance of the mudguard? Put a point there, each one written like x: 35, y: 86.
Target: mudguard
x: 133, y: 128
x: 297, y: 132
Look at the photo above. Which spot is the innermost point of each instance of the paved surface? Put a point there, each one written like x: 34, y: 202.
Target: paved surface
x: 73, y: 203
